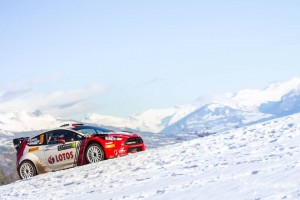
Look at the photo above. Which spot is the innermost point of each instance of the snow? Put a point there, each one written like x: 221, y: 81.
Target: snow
x: 157, y: 120
x: 214, y: 118
x: 153, y: 120
x: 247, y: 107
x: 254, y: 162
x: 6, y: 133
x: 212, y: 107
x: 20, y: 121
x: 274, y: 92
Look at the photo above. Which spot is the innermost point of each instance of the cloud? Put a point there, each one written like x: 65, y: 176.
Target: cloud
x: 18, y: 89
x: 11, y: 94
x: 61, y: 103
x: 68, y: 105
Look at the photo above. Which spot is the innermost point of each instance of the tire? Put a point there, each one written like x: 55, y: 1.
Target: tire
x: 94, y: 153
x: 27, y: 170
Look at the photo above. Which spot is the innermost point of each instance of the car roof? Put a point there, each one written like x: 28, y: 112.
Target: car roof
x: 70, y: 127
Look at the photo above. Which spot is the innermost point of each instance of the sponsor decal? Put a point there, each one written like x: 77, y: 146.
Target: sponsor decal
x: 51, y: 160
x: 33, y: 149
x: 66, y: 146
x: 74, y: 145
x: 60, y: 157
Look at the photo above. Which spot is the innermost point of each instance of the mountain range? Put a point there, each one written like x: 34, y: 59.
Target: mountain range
x: 221, y: 113
x: 244, y: 108
x: 229, y: 111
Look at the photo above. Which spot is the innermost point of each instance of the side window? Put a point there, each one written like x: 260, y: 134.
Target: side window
x: 88, y: 131
x: 72, y: 136
x: 37, y: 140
x: 68, y: 136
x: 54, y: 136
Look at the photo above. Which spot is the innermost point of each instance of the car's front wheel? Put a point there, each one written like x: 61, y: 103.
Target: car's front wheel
x: 94, y: 153
x: 27, y: 170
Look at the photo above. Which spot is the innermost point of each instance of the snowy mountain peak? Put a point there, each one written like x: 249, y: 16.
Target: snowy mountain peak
x: 274, y: 92
x: 214, y: 106
x: 248, y: 106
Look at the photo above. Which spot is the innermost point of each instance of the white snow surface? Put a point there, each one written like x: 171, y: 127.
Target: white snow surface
x: 255, y: 162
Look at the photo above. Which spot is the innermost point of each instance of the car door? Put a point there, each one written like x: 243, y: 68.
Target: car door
x: 60, y: 149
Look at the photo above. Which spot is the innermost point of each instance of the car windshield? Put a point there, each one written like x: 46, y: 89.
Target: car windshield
x: 89, y: 130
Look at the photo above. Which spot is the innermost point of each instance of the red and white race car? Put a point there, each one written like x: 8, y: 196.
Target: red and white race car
x: 72, y: 145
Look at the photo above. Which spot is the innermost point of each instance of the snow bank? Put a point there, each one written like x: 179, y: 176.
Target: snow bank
x: 255, y: 162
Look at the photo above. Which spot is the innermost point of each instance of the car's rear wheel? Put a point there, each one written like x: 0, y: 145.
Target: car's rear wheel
x: 27, y: 170
x: 94, y: 153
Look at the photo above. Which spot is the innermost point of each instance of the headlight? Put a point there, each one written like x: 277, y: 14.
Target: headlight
x: 109, y: 138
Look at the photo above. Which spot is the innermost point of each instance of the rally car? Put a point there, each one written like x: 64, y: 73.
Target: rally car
x: 72, y: 145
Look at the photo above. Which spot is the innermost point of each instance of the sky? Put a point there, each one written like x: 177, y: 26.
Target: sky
x: 69, y: 58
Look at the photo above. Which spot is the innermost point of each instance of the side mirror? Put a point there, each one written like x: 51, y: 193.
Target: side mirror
x: 61, y: 140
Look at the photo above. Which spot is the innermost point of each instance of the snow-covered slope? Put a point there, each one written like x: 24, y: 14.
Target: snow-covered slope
x: 8, y: 152
x: 255, y: 162
x: 153, y: 120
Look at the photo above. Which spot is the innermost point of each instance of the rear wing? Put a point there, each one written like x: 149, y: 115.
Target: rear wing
x: 18, y: 141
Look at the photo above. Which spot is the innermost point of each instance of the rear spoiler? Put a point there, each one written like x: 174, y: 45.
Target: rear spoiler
x: 17, y: 142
